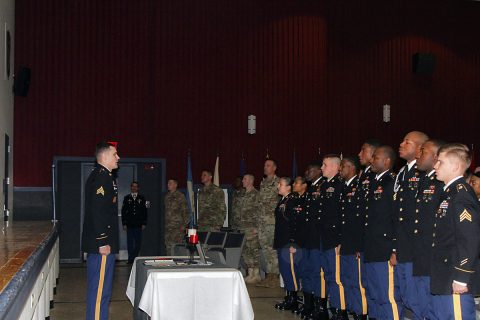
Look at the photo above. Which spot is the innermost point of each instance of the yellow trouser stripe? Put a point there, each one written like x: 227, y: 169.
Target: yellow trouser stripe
x: 339, y: 283
x: 322, y: 284
x: 362, y: 289
x: 293, y: 272
x: 391, y: 294
x: 457, y: 307
x: 100, y: 287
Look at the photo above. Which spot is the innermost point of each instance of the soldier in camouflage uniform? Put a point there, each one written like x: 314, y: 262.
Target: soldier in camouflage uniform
x: 211, y: 204
x: 269, y: 198
x: 176, y: 215
x: 247, y: 218
x: 236, y: 195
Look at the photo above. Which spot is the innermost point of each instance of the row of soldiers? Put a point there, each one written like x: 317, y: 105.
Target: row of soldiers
x: 253, y: 213
x: 372, y: 242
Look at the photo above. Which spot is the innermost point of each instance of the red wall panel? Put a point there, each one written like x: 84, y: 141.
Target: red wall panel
x: 165, y: 77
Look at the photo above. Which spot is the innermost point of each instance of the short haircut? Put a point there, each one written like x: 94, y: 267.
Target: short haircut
x: 438, y: 143
x: 477, y: 174
x: 288, y: 180
x: 302, y: 179
x: 458, y: 150
x: 250, y: 175
x: 315, y: 164
x: 101, y: 147
x: 390, y: 153
x: 333, y: 156
x: 354, y: 161
x: 422, y: 137
x: 210, y: 173
x: 273, y: 160
x: 373, y: 142
x: 174, y: 180
x: 134, y: 182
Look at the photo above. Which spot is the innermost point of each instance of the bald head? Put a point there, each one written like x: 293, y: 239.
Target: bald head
x: 410, y: 146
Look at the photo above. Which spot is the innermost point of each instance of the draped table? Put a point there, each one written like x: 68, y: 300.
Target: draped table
x: 197, y: 292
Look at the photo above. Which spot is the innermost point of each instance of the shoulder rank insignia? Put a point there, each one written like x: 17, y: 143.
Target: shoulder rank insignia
x: 101, y: 191
x: 460, y: 187
x: 465, y: 216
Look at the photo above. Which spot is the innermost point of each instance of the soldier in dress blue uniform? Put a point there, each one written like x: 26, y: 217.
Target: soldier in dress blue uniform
x: 426, y: 204
x: 288, y: 238
x: 406, y: 185
x: 351, y: 239
x: 330, y: 233
x: 313, y: 281
x: 382, y: 297
x: 100, y: 230
x: 456, y: 238
x: 365, y: 157
x: 134, y: 220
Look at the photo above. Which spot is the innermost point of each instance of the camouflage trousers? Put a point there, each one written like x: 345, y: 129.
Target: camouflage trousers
x: 265, y: 237
x: 251, y: 254
x: 172, y: 237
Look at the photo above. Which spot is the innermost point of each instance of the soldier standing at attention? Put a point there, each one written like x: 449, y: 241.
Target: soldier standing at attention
x: 406, y: 186
x: 100, y: 230
x: 456, y: 238
x: 134, y: 220
x: 176, y: 215
x: 382, y: 298
x: 269, y: 199
x: 249, y: 210
x: 330, y: 191
x: 290, y: 216
x: 426, y: 205
x: 211, y: 204
x: 237, y: 194
x: 351, y: 239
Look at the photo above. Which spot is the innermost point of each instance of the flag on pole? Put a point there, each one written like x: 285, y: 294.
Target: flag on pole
x: 294, y: 165
x: 243, y: 166
x: 190, y: 195
x: 216, y: 176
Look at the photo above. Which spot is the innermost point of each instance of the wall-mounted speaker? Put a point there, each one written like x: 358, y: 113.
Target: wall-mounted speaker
x: 423, y: 63
x: 22, y: 81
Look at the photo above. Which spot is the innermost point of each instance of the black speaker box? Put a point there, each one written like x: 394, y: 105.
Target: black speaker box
x: 22, y: 81
x: 423, y: 63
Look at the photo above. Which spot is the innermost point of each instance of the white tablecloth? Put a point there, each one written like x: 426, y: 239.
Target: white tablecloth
x: 189, y: 293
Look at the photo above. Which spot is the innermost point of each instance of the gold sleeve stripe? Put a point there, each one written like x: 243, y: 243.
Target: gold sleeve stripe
x: 99, y: 238
x: 463, y: 270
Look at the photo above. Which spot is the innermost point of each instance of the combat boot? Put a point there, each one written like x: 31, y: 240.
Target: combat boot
x: 256, y: 275
x: 273, y: 281
x: 263, y: 282
x: 249, y: 275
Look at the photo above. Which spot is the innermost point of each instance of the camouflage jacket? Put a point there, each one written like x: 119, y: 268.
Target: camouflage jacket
x: 176, y: 210
x: 269, y: 199
x: 249, y: 210
x: 211, y: 208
